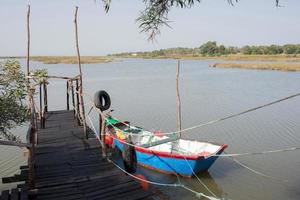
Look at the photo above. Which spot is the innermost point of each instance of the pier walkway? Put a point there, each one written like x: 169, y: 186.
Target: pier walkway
x: 68, y: 166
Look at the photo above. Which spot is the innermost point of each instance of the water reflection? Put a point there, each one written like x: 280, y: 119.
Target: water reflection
x: 206, y: 183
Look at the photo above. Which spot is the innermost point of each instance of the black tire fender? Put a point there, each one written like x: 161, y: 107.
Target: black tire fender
x: 102, y: 100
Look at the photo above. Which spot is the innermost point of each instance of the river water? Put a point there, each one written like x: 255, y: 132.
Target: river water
x: 143, y: 92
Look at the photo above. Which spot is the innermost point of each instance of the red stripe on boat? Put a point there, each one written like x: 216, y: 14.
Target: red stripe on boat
x: 169, y: 155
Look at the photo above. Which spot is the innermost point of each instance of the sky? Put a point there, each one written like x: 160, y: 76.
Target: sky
x: 249, y: 22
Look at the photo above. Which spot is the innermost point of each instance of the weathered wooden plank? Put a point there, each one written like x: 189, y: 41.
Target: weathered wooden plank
x: 114, y: 190
x: 24, y: 193
x: 67, y: 166
x: 11, y: 179
x: 4, y: 195
x: 14, y: 195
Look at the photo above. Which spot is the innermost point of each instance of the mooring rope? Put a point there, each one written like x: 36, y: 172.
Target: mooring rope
x: 179, y: 184
x: 234, y: 115
x: 198, y: 194
x: 213, y: 155
x: 257, y: 172
x: 257, y: 153
x: 209, y: 122
x: 198, y: 178
x: 231, y: 156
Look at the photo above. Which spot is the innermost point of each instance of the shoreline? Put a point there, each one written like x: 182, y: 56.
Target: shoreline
x: 290, y: 63
x: 65, y: 59
x: 287, y: 67
x: 231, y: 57
x: 71, y: 59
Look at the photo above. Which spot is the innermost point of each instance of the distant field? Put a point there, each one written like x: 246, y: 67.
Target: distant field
x: 262, y: 66
x: 71, y: 59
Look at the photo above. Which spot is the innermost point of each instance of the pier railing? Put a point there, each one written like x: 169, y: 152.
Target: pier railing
x: 37, y: 116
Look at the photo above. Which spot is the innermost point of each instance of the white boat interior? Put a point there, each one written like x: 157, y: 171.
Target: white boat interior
x: 169, y: 144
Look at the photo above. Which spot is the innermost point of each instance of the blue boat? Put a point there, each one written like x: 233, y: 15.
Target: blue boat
x: 167, y: 154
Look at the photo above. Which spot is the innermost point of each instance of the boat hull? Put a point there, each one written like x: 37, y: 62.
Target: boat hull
x: 168, y: 163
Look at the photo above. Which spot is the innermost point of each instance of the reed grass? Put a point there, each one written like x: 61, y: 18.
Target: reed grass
x: 231, y: 57
x: 293, y: 67
x: 71, y: 59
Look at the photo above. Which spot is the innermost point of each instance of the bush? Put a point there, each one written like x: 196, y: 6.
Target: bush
x: 12, y: 94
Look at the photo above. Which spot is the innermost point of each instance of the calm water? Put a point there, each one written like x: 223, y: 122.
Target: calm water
x: 143, y: 92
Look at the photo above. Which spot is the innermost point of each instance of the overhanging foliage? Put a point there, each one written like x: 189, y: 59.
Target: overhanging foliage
x: 155, y: 14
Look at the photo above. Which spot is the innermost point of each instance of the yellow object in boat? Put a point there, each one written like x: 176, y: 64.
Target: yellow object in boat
x: 120, y: 135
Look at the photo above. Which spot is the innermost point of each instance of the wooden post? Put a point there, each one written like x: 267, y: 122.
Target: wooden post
x: 45, y: 97
x: 73, y: 98
x: 178, y: 99
x: 42, y: 121
x: 100, y: 126
x: 103, y: 138
x: 28, y: 45
x: 77, y: 102
x: 41, y: 103
x: 68, y: 106
x: 80, y: 76
x: 30, y: 99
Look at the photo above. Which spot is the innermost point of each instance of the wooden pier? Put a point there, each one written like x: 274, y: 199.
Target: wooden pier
x: 69, y: 166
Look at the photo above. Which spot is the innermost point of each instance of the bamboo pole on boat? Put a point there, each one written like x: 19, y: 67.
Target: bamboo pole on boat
x: 80, y: 75
x: 178, y: 99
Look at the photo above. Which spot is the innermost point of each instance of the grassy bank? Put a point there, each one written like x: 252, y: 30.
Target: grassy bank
x: 261, y: 66
x: 231, y: 57
x: 71, y: 59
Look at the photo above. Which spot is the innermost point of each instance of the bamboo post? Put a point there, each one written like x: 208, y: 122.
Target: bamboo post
x: 42, y: 123
x: 73, y: 98
x: 41, y: 103
x: 28, y: 45
x: 77, y: 102
x: 80, y: 77
x: 68, y: 106
x: 178, y: 99
x: 102, y: 135
x: 45, y: 97
x: 100, y: 126
x: 32, y: 126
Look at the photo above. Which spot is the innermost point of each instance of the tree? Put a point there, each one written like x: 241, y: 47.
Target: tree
x: 209, y: 48
x: 274, y: 49
x: 12, y: 94
x: 246, y: 50
x: 155, y: 14
x: 222, y: 50
x: 290, y: 49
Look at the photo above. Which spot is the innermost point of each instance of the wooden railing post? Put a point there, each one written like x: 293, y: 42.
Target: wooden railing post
x: 100, y: 126
x: 33, y: 140
x: 73, y: 98
x: 80, y: 77
x: 45, y: 97
x: 42, y: 120
x: 32, y: 127
x: 77, y: 102
x: 102, y: 135
x: 68, y: 106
